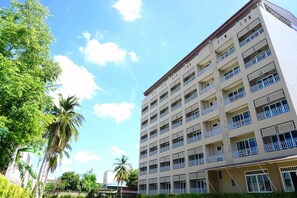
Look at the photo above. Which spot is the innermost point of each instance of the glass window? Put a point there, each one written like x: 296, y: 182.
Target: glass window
x: 257, y: 181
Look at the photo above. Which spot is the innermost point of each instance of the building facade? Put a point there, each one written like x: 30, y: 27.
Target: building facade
x: 224, y: 118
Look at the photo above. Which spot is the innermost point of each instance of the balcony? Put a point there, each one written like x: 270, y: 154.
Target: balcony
x: 265, y: 83
x: 177, y: 124
x: 230, y: 75
x: 142, y: 192
x: 205, y: 69
x: 164, y: 113
x: 226, y: 54
x: 152, y: 192
x: 154, y: 119
x: 176, y: 106
x: 179, y: 190
x: 176, y: 89
x: 192, y: 117
x: 190, y: 79
x: 239, y: 123
x: 141, y: 173
x: 144, y: 139
x: 164, y: 129
x: 191, y: 97
x: 273, y: 112
x: 143, y: 125
x: 206, y: 89
x: 215, y: 158
x: 198, y: 190
x: 196, y: 162
x: 142, y: 156
x: 263, y: 55
x: 194, y: 138
x: 153, y: 152
x: 164, y: 168
x: 234, y: 97
x: 153, y: 170
x: 245, y: 152
x: 177, y: 144
x: 281, y: 145
x: 179, y: 165
x: 209, y: 109
x: 164, y: 191
x: 212, y: 132
x: 251, y: 37
x: 164, y: 148
x: 163, y: 97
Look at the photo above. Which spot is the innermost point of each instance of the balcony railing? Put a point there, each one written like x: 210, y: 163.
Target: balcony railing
x: 153, y: 120
x: 144, y: 125
x: 206, y: 89
x: 176, y: 106
x: 179, y: 190
x: 142, y: 192
x: 205, y: 69
x: 212, y: 132
x: 226, y: 54
x: 192, y: 117
x: 177, y: 144
x: 230, y: 75
x: 263, y: 55
x: 175, y: 90
x: 251, y: 37
x: 154, y: 152
x: 153, y: 170
x: 179, y: 165
x: 164, y: 113
x: 281, y: 145
x: 165, y: 148
x: 164, y: 168
x: 192, y: 97
x: 196, y: 162
x: 245, y: 152
x: 163, y: 98
x: 143, y: 139
x: 194, y: 138
x: 234, y: 97
x: 153, y: 135
x: 240, y: 123
x: 177, y: 124
x: 164, y: 130
x: 198, y: 190
x: 142, y: 173
x: 189, y: 80
x: 215, y: 158
x: 265, y: 83
x: 144, y: 111
x: 152, y: 192
x: 143, y: 156
x: 273, y: 112
x: 164, y: 191
x: 209, y: 109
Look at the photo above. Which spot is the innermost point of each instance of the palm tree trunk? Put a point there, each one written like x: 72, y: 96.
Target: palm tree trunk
x: 121, y: 188
x: 36, y: 188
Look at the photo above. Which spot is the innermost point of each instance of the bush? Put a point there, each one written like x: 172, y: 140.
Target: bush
x: 10, y: 190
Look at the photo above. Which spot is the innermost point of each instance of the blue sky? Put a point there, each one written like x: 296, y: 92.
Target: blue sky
x: 111, y: 51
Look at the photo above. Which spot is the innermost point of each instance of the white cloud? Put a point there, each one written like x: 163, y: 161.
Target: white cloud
x: 133, y: 56
x: 102, y: 53
x: 119, y: 112
x: 66, y: 161
x: 129, y: 9
x: 86, y: 156
x: 66, y: 169
x: 115, y: 151
x: 136, y: 146
x: 76, y: 80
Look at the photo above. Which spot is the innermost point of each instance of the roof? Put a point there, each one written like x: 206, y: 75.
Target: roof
x: 222, y: 29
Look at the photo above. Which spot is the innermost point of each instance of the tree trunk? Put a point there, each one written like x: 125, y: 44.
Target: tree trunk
x: 36, y: 188
x: 121, y: 189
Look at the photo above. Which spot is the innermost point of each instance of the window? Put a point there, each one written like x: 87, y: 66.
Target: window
x: 257, y: 181
x: 247, y: 147
x: 230, y: 73
x: 289, y: 177
x: 233, y: 182
x: 241, y: 119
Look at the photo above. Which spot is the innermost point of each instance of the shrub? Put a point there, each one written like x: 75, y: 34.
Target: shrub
x: 224, y: 195
x: 10, y: 190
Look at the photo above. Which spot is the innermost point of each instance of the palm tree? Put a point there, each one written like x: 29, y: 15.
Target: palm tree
x: 60, y: 133
x: 122, y: 169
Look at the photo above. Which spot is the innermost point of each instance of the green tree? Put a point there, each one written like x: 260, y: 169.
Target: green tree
x: 26, y: 67
x: 122, y: 168
x: 71, y: 180
x: 132, y: 180
x: 60, y: 133
x: 89, y: 181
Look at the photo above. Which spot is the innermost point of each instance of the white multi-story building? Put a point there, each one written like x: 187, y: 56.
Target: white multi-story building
x: 224, y: 118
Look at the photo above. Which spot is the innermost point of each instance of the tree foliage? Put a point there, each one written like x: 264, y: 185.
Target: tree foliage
x: 88, y: 181
x: 132, y: 180
x: 71, y: 180
x: 26, y: 67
